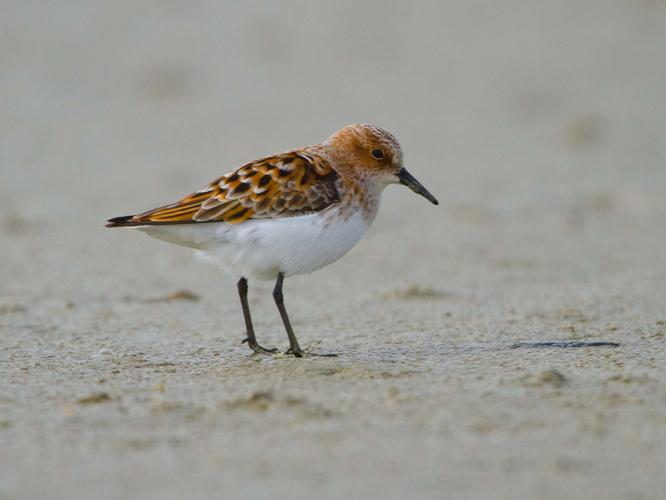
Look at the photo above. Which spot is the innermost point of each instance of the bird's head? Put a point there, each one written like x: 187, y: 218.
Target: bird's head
x: 374, y: 153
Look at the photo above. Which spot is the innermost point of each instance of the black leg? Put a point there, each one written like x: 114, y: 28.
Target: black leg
x: 251, y: 339
x: 294, y: 348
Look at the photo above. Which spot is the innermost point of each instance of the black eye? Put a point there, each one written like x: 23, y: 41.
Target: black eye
x: 377, y: 154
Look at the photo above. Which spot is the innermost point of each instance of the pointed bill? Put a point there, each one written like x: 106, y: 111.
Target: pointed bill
x: 408, y: 180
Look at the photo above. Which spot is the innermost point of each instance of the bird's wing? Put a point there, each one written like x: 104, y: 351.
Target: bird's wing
x: 284, y: 185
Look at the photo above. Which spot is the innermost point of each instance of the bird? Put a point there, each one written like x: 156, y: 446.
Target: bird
x: 286, y: 214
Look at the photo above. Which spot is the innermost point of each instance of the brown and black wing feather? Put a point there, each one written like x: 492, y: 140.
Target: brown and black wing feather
x: 284, y: 185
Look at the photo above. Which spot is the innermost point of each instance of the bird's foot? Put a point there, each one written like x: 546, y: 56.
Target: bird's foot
x: 299, y: 353
x: 296, y: 351
x: 258, y: 349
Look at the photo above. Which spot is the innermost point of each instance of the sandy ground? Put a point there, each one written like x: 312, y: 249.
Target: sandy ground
x: 540, y: 127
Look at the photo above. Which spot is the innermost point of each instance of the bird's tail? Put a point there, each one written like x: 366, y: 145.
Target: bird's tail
x: 123, y: 221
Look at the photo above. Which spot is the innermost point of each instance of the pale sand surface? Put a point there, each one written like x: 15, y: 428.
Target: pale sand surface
x: 540, y: 127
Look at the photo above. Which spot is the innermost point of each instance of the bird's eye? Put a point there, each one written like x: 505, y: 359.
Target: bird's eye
x: 378, y: 154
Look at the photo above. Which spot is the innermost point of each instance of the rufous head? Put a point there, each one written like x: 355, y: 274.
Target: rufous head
x: 376, y: 153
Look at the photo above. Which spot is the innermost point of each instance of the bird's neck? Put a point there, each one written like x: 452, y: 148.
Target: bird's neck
x: 359, y: 189
x: 362, y: 193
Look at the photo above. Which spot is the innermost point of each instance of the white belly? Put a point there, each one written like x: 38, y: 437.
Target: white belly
x: 262, y: 248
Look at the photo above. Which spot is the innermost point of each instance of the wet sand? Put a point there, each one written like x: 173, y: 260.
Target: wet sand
x: 540, y: 130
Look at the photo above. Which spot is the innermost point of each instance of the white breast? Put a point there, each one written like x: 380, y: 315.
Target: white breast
x: 262, y: 248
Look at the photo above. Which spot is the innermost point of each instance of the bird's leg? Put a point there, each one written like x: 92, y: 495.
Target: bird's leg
x: 294, y: 348
x: 250, y: 339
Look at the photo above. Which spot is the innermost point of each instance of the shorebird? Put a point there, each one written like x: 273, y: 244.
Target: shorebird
x: 286, y: 214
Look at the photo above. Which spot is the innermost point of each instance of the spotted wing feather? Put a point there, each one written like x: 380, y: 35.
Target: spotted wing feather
x: 285, y: 185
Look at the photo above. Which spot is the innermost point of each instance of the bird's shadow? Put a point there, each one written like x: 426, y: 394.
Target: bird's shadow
x: 406, y: 351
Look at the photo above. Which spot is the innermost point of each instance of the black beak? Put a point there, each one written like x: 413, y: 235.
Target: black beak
x: 408, y: 180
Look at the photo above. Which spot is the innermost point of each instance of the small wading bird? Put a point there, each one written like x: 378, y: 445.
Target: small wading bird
x: 291, y: 213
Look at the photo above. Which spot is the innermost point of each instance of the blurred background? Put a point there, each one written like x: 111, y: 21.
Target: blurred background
x: 539, y: 115
x: 538, y: 125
